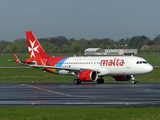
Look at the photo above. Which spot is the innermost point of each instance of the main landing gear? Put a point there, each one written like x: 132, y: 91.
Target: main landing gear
x: 133, y: 79
x: 77, y: 81
x: 100, y: 80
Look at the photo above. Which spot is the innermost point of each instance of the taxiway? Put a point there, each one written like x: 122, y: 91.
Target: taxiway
x: 84, y: 95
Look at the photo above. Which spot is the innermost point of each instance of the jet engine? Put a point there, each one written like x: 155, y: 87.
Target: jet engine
x: 122, y: 77
x: 87, y: 75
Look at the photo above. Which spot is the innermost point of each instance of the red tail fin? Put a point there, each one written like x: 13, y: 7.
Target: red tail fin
x: 34, y: 47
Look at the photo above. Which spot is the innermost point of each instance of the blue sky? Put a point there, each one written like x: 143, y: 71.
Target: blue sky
x: 115, y: 19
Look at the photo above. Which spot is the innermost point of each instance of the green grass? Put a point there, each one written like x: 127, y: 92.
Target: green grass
x: 36, y: 75
x: 29, y: 75
x: 150, y: 77
x: 47, y: 113
x: 8, y: 59
x: 152, y: 59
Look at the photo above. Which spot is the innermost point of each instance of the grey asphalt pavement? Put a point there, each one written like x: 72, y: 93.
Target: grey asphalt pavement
x: 84, y: 95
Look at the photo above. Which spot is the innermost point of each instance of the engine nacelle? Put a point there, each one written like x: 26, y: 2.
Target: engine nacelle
x: 122, y: 77
x: 87, y: 75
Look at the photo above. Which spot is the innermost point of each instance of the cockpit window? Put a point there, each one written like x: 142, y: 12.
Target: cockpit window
x: 145, y: 62
x: 141, y: 62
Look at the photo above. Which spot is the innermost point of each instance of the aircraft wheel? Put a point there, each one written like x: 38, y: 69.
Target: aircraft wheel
x: 77, y: 81
x: 134, y: 82
x: 100, y: 81
x: 133, y: 79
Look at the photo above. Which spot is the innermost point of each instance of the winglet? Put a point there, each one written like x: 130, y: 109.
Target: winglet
x: 16, y: 58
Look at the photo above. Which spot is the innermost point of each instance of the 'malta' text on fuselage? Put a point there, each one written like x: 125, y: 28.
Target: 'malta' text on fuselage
x: 114, y: 62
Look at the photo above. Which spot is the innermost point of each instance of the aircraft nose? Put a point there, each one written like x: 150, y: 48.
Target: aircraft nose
x: 149, y: 68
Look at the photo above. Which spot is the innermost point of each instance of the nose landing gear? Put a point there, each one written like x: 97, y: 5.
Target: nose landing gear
x: 133, y: 79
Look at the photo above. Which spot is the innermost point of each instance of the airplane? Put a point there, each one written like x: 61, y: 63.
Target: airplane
x: 85, y: 68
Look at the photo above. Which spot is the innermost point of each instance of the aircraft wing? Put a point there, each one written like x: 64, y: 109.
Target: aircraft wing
x: 19, y: 62
x: 64, y: 68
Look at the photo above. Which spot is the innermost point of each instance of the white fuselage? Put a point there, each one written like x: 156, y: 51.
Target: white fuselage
x: 108, y: 65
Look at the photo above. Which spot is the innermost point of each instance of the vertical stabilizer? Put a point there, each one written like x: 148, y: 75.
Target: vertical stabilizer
x: 35, y: 49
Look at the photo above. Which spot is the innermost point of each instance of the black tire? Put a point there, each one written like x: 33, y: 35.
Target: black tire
x: 100, y: 81
x: 134, y: 82
x: 77, y: 81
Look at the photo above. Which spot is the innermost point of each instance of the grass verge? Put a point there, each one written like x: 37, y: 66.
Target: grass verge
x: 47, y: 113
x: 36, y: 75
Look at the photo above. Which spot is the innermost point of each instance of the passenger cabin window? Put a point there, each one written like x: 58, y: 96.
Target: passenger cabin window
x: 141, y: 62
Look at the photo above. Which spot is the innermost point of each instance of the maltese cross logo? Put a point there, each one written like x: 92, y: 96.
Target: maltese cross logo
x: 33, y: 48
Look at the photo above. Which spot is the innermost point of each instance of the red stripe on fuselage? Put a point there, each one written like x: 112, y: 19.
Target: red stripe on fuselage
x: 54, y: 60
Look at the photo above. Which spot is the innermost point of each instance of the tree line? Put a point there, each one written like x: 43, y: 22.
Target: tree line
x: 61, y: 44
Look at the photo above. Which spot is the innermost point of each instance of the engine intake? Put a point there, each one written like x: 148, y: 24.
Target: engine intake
x: 87, y: 75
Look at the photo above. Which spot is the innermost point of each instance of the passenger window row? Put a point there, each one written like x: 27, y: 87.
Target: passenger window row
x: 141, y: 62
